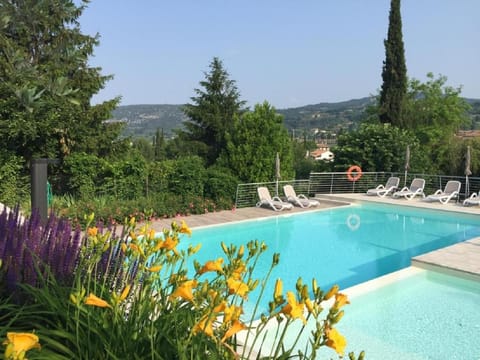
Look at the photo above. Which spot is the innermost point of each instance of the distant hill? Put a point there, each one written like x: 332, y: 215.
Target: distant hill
x: 144, y: 120
x: 327, y: 116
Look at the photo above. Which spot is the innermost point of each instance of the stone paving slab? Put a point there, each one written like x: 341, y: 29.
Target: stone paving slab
x: 242, y: 214
x: 464, y: 257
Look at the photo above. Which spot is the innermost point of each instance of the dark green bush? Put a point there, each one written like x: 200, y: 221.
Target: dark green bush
x: 188, y: 177
x: 14, y: 187
x: 220, y: 183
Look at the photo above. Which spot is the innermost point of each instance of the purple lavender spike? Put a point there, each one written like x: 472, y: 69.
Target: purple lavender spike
x: 74, y: 251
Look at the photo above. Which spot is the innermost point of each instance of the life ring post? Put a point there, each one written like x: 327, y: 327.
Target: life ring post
x: 354, y: 173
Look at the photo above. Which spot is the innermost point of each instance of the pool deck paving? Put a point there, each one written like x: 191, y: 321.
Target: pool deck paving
x: 461, y: 259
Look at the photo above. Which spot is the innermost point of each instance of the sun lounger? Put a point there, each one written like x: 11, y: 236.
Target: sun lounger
x: 416, y: 188
x: 275, y: 203
x: 300, y: 199
x: 451, y: 191
x: 382, y: 191
x: 474, y: 199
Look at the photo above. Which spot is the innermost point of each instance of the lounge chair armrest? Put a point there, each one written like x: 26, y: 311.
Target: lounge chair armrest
x: 276, y: 198
x: 380, y: 187
x: 301, y: 196
x: 438, y: 192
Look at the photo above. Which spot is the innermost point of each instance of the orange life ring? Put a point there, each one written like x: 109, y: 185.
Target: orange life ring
x: 358, y: 173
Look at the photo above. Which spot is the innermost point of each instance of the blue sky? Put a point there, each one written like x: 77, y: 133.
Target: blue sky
x: 289, y: 53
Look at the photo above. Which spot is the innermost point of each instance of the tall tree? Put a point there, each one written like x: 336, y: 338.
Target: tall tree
x: 212, y: 112
x: 46, y: 82
x: 159, y: 145
x: 436, y: 112
x: 252, y: 146
x: 394, y: 72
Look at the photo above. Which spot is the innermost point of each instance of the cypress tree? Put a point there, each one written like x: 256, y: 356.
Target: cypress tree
x: 394, y: 73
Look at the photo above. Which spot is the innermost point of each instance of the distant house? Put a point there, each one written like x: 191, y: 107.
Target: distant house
x: 322, y: 152
x: 468, y: 134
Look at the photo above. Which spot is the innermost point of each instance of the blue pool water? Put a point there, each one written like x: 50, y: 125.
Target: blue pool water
x: 424, y: 316
x: 344, y: 246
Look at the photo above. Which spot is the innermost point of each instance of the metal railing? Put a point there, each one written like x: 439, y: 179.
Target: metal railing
x: 338, y: 183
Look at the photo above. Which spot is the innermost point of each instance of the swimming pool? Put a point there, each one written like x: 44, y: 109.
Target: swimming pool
x: 412, y: 314
x: 344, y: 246
x: 428, y: 315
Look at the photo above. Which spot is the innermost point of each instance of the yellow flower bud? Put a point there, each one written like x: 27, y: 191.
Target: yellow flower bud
x: 331, y: 292
x: 73, y: 299
x: 124, y: 293
x: 241, y: 251
x: 278, y: 289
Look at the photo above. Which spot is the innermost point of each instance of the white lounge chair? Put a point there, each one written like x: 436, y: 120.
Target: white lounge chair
x: 382, y: 191
x: 451, y: 191
x: 474, y: 199
x: 300, y: 199
x: 416, y: 188
x: 275, y: 203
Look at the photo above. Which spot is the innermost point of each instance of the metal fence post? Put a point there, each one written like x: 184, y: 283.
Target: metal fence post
x: 38, y: 196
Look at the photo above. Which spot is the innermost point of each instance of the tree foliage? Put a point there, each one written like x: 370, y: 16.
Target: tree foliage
x: 378, y: 147
x: 434, y: 109
x: 435, y: 112
x: 212, y: 113
x: 394, y: 72
x: 46, y: 82
x: 252, y: 146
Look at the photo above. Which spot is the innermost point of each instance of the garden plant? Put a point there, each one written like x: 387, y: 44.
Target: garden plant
x: 127, y: 293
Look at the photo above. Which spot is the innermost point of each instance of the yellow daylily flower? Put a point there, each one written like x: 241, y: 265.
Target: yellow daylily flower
x: 184, y: 229
x: 235, y: 328
x: 204, y: 325
x: 123, y: 246
x: 212, y: 266
x: 185, y: 290
x: 155, y: 268
x: 340, y: 300
x: 19, y: 343
x: 294, y: 309
x: 239, y: 271
x: 336, y: 341
x: 137, y: 249
x: 169, y: 243
x: 96, y: 301
x: 92, y: 231
x: 220, y: 307
x: 331, y: 292
x: 237, y: 287
x: 124, y: 293
x: 232, y: 313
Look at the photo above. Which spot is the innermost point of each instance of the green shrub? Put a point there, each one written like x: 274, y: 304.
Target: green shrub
x: 188, y: 177
x: 83, y: 174
x: 220, y: 183
x: 132, y: 297
x: 14, y: 188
